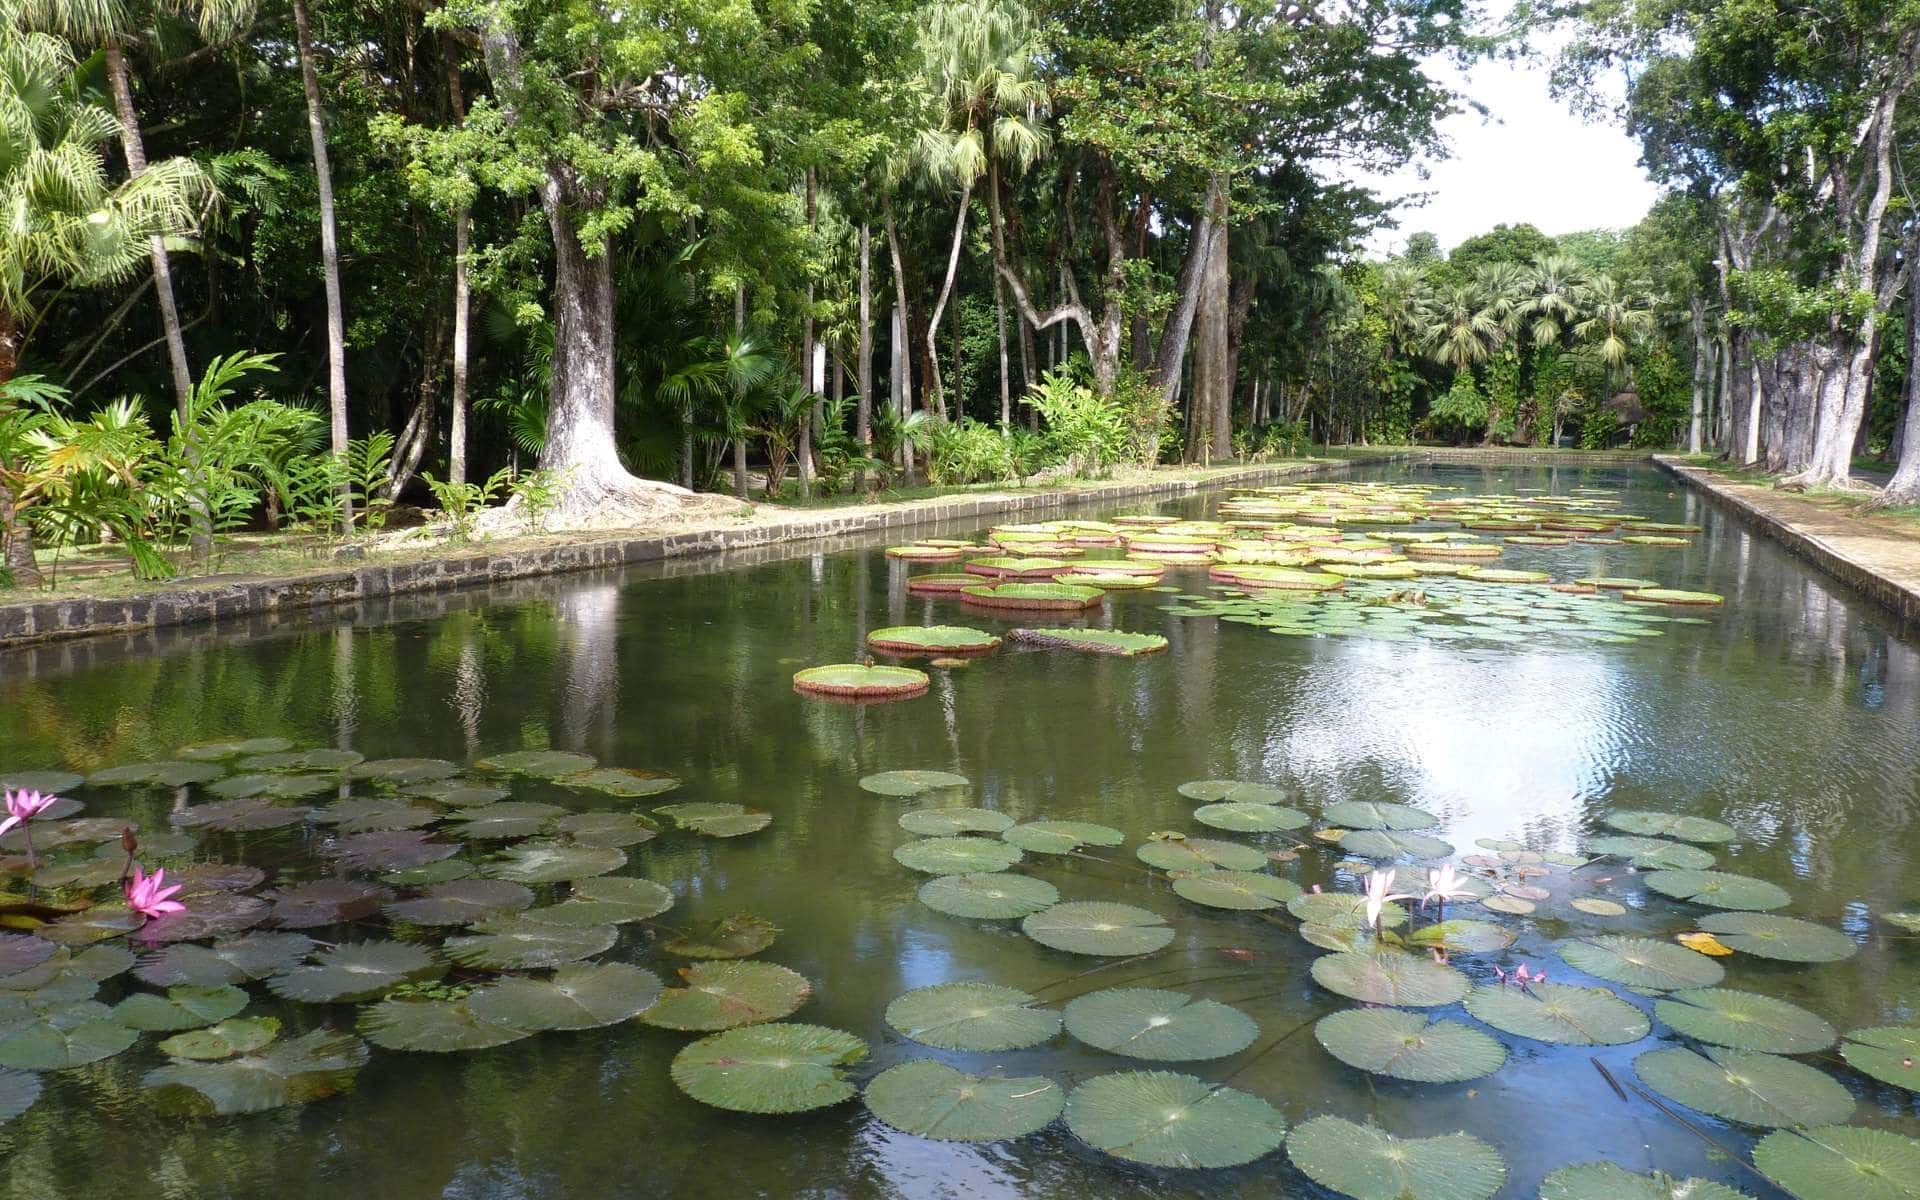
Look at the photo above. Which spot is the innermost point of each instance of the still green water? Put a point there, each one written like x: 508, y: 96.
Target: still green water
x: 1793, y: 714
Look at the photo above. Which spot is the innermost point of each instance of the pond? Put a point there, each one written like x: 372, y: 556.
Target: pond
x: 1791, y: 714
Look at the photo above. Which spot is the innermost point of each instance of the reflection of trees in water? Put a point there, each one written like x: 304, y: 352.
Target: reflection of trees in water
x: 589, y: 620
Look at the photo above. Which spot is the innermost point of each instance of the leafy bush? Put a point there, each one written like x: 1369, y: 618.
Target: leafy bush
x: 537, y: 492
x: 1460, y: 413
x: 1085, y: 433
x: 1666, y: 392
x: 461, y: 503
x: 965, y: 451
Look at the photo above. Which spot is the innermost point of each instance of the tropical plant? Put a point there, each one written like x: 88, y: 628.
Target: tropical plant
x: 535, y: 493
x: 369, y: 467
x: 1086, y: 432
x: 89, y: 480
x: 966, y: 451
x: 462, y: 503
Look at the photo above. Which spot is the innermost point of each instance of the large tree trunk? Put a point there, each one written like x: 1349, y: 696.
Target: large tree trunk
x: 329, y: 260
x: 1000, y: 332
x: 1212, y: 388
x: 417, y: 434
x: 863, y: 372
x: 462, y: 231
x: 1904, y: 487
x: 1702, y: 361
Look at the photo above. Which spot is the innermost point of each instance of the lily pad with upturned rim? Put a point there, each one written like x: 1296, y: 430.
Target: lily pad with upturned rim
x: 1787, y: 939
x: 988, y: 896
x: 1642, y: 963
x: 932, y: 639
x: 1095, y: 641
x: 1393, y: 977
x: 1841, y: 1162
x: 778, y: 1068
x: 1033, y: 596
x: 1160, y: 1025
x: 853, y: 681
x: 1405, y: 1045
x: 1368, y: 1163
x: 725, y: 995
x: 1753, y: 1089
x: 1165, y: 1119
x: 1096, y: 928
x: 932, y: 1100
x: 1559, y: 1013
x: 1611, y: 1181
x: 1745, y: 1021
x: 982, y: 1018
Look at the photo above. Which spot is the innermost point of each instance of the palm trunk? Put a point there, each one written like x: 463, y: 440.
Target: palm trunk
x: 863, y: 373
x: 329, y: 260
x: 902, y: 355
x: 20, y: 561
x: 811, y: 416
x: 1696, y: 423
x: 1000, y: 332
x: 462, y: 231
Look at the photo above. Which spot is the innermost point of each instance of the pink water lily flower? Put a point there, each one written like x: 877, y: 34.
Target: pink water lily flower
x: 1379, y: 896
x: 1521, y: 978
x: 147, y: 895
x: 22, y: 807
x: 1444, y: 885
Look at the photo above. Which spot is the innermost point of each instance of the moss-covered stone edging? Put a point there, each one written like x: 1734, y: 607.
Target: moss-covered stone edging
x: 1891, y: 580
x: 53, y: 618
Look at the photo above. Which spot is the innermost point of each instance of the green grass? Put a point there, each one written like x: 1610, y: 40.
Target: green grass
x: 1905, y: 517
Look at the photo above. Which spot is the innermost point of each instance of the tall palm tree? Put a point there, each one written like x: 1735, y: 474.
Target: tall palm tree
x: 1461, y: 329
x: 329, y: 257
x: 1617, y: 317
x: 1556, y: 301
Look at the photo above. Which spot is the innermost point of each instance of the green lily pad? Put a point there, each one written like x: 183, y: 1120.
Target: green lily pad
x: 249, y: 815
x: 992, y: 896
x: 612, y: 900
x: 445, y: 870
x: 616, y: 829
x: 185, y: 1007
x: 1095, y: 641
x: 578, y: 996
x: 1025, y: 596
x: 1245, y: 890
x: 555, y: 862
x: 1675, y: 596
x: 373, y: 815
x: 1109, y: 930
x: 1673, y: 825
x: 1787, y: 939
x: 931, y: 639
x: 540, y: 764
x: 254, y: 956
x: 911, y: 783
x: 1238, y: 817
x: 46, y: 1047
x: 734, y: 936
x: 220, y: 751
x: 266, y: 786
x: 18, y: 1091
x: 326, y: 902
x: 1404, y: 1045
x: 1200, y: 854
x: 853, y: 681
x: 517, y: 944
x: 1394, y: 977
x: 1163, y: 1119
x: 1841, y: 1162
x: 294, y: 762
x: 1462, y: 936
x: 980, y: 1017
x: 930, y: 1099
x: 432, y: 1026
x: 1341, y: 910
x: 1160, y: 1025
x: 457, y: 793
x: 462, y: 902
x: 1232, y: 791
x: 241, y: 1035
x: 211, y: 915
x: 951, y: 822
x: 1753, y: 1089
x: 1653, y: 854
x: 355, y: 971
x: 1642, y: 963
x: 391, y: 851
x: 1611, y: 1181
x: 1390, y: 844
x: 1908, y: 921
x: 401, y: 772
x: 957, y: 856
x: 716, y: 820
x: 628, y: 783
x: 1369, y: 814
x: 1061, y: 837
x: 156, y: 774
x: 1560, y: 1013
x: 20, y: 952
x: 505, y: 821
x: 769, y: 1068
x: 1885, y: 1052
x: 304, y: 1069
x: 1371, y: 1164
x: 1745, y: 1021
x: 723, y: 995
x: 1719, y: 889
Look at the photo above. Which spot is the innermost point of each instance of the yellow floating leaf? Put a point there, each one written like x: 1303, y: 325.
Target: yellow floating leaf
x: 1705, y: 943
x: 1329, y: 835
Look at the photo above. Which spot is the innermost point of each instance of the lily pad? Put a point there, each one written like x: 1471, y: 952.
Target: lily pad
x: 186, y: 1007
x: 1033, y: 596
x: 214, y: 914
x: 55, y: 782
x: 853, y: 681
x: 952, y: 822
x: 1200, y: 854
x: 1245, y: 890
x: 401, y: 772
x: 1109, y: 930
x: 304, y: 1069
x: 46, y: 1047
x: 507, y: 820
x: 1885, y: 1052
x: 979, y: 1017
x: 427, y: 874
x: 1653, y: 854
x: 716, y: 820
x: 1096, y: 641
x: 1232, y: 791
x: 1164, y: 1119
x: 1596, y: 906
x: 1673, y: 825
x: 355, y: 971
x: 267, y: 786
x: 957, y: 856
x: 540, y: 764
x: 555, y: 862
x: 462, y: 902
x: 370, y: 815
x: 1341, y: 910
x: 293, y: 762
x: 156, y: 774
x: 1560, y: 1013
x: 610, y: 900
x: 433, y: 1026
x: 1240, y: 817
x: 628, y: 783
x: 1674, y: 596
x: 517, y: 944
x: 18, y: 1091
x: 990, y: 896
x: 1642, y: 963
x: 249, y: 815
x: 1462, y: 936
x: 21, y: 952
x: 1394, y: 977
x: 457, y: 793
x: 1404, y: 1045
x: 326, y: 902
x: 930, y: 1099
x: 616, y: 829
x: 1390, y: 844
x: 1753, y: 1089
x: 254, y: 956
x: 778, y: 1068
x: 241, y: 1035
x: 1745, y: 1021
x: 931, y: 639
x: 388, y: 851
x: 578, y: 996
x: 221, y: 751
x: 1371, y: 814
x: 1370, y: 1164
x: 1787, y: 939
x: 736, y: 936
x: 1061, y: 837
x: 1160, y: 1025
x: 1611, y: 1181
x: 1719, y: 889
x: 904, y: 784
x: 723, y: 995
x: 1841, y: 1162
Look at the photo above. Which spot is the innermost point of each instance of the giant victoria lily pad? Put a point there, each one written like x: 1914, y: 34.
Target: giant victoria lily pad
x: 1244, y: 890
x: 1091, y: 927
x: 723, y: 995
x: 515, y: 943
x: 1841, y: 1162
x: 1642, y: 963
x: 1753, y: 1089
x: 433, y: 1026
x: 1164, y: 1119
x: 777, y: 1068
x: 1370, y: 1164
x: 1719, y: 889
x: 355, y: 971
x: 1560, y: 1013
x: 992, y: 896
x: 853, y: 681
x: 978, y: 1017
x: 1160, y: 1025
x: 1035, y: 596
x: 1673, y: 825
x: 930, y: 1099
x: 1885, y: 1052
x: 957, y: 856
x: 1611, y: 1181
x: 577, y: 996
x: 304, y: 1069
x: 1393, y: 977
x: 1096, y: 641
x: 1745, y: 1021
x: 931, y: 639
x: 1404, y: 1045
x: 1787, y: 939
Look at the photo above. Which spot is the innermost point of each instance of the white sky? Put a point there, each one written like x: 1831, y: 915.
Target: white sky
x: 1531, y: 160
